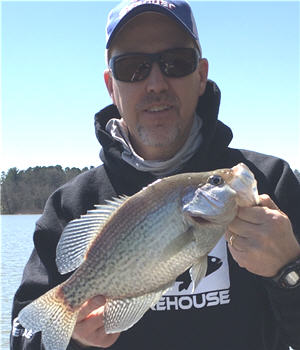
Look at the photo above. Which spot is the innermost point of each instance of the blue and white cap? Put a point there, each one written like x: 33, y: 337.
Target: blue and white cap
x: 179, y: 10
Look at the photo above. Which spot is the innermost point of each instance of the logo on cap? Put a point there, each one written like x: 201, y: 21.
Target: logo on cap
x: 136, y: 3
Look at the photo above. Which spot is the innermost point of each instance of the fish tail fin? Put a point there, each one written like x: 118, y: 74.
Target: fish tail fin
x: 51, y: 315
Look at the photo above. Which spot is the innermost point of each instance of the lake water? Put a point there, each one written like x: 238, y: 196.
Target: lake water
x: 16, y: 247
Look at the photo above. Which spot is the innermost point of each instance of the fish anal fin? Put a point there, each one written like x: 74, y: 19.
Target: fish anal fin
x: 121, y: 314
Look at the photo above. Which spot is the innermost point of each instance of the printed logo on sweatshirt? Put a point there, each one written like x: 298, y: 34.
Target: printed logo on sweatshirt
x: 212, y: 290
x: 19, y: 331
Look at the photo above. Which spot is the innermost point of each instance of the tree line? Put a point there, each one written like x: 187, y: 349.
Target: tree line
x: 26, y: 191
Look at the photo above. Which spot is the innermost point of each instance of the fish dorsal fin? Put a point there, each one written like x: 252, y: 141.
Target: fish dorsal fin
x: 79, y: 233
x: 121, y: 314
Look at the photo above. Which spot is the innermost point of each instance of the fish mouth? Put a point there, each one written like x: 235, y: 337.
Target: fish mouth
x: 211, y: 220
x: 200, y: 220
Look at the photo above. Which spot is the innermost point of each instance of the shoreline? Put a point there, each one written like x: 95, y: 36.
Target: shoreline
x: 35, y: 213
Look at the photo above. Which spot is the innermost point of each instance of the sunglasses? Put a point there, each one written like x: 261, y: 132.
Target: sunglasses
x: 173, y: 63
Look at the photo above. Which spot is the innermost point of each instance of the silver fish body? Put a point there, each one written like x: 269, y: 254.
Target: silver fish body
x: 133, y: 249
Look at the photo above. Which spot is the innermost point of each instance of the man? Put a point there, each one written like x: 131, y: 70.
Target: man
x: 164, y: 121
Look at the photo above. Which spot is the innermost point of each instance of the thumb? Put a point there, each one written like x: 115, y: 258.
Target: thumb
x: 89, y: 306
x: 266, y: 201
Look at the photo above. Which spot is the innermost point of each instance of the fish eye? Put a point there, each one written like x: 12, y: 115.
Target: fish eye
x: 215, y: 180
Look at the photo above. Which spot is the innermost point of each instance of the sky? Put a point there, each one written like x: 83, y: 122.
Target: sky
x: 52, y: 63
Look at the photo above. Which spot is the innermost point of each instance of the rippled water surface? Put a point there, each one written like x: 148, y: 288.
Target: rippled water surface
x: 16, y: 247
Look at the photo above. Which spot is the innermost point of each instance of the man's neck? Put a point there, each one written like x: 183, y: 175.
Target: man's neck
x: 159, y: 153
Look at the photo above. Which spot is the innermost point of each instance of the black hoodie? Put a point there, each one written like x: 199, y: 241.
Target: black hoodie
x: 232, y: 308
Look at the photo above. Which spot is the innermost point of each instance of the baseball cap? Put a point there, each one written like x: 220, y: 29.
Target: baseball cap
x: 179, y: 10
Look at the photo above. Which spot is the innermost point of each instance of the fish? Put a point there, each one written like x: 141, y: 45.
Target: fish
x: 132, y: 249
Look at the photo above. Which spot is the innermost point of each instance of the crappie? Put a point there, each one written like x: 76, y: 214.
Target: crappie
x: 132, y: 249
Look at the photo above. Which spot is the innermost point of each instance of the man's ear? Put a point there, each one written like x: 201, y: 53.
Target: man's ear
x: 109, y: 83
x: 203, y: 72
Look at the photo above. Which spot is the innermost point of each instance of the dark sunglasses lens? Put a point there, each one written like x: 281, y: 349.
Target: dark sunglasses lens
x: 178, y: 62
x: 173, y: 63
x: 131, y: 68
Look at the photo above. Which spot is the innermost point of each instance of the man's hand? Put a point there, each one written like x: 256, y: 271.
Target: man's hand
x: 89, y: 329
x: 261, y: 238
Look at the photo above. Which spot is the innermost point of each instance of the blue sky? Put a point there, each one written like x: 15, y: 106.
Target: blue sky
x: 52, y: 77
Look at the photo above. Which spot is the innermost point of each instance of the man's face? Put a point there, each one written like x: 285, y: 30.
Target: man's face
x: 159, y: 110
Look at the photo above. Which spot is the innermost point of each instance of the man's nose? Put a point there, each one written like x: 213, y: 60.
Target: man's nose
x: 156, y: 81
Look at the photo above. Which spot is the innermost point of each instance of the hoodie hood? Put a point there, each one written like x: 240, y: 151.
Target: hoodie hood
x: 216, y: 138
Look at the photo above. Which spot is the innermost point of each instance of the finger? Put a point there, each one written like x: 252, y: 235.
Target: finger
x: 238, y: 256
x: 89, y: 306
x: 90, y: 323
x: 91, y: 332
x: 266, y: 201
x: 255, y: 215
x: 236, y: 242
x: 243, y: 228
x: 100, y: 338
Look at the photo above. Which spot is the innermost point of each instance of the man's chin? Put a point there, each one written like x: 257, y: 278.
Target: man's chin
x: 160, y: 137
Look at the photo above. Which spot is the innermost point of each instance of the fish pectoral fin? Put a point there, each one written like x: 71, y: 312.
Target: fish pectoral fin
x: 198, y: 271
x: 121, y: 314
